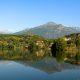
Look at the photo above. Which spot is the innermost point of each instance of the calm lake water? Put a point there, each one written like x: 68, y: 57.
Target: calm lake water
x: 45, y: 69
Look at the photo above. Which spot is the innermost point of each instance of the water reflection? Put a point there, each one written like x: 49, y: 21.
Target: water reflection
x: 20, y: 54
x: 37, y: 66
x: 49, y: 65
x: 45, y: 69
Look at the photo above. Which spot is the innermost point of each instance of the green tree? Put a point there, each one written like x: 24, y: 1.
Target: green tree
x: 58, y: 46
x: 32, y: 46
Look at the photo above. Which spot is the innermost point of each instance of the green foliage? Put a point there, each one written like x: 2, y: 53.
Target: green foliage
x: 10, y: 46
x: 19, y: 46
x: 61, y: 56
x: 25, y: 47
x: 60, y: 45
x: 32, y: 46
x: 77, y: 41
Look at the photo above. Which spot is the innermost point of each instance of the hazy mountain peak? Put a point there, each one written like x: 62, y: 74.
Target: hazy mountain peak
x: 50, y: 30
x: 60, y: 25
x: 51, y: 23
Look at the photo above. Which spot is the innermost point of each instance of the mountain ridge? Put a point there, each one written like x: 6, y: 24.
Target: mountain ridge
x: 50, y: 30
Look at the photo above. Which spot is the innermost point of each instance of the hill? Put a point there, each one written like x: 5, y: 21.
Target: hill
x: 50, y: 30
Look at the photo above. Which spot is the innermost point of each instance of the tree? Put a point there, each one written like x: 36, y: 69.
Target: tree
x: 32, y: 46
x: 58, y: 46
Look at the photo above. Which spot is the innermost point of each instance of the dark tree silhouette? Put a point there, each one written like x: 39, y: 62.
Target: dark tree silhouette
x: 53, y: 50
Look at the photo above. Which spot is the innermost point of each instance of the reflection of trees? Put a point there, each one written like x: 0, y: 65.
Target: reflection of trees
x: 77, y: 58
x: 40, y: 53
x: 23, y: 54
x: 61, y: 56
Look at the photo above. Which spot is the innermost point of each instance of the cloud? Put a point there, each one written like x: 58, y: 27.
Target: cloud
x: 6, y: 31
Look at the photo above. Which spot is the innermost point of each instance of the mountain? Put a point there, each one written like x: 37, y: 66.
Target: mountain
x: 50, y: 30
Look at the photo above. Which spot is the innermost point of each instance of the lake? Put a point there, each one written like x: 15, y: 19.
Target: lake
x: 44, y: 69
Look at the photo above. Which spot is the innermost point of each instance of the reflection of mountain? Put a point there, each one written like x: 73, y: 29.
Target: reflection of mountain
x: 49, y: 65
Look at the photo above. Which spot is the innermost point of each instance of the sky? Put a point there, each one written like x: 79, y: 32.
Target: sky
x: 17, y: 15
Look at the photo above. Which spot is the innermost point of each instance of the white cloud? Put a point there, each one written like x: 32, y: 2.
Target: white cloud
x: 6, y: 31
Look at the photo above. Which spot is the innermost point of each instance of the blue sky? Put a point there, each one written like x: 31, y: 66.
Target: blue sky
x: 16, y: 15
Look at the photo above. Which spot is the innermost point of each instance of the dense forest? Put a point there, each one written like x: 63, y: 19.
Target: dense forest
x: 34, y: 47
x: 23, y: 46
